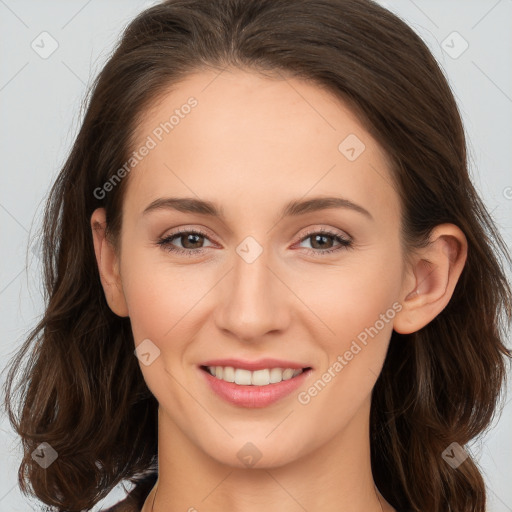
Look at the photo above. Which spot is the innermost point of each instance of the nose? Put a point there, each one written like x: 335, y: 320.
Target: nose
x: 253, y: 301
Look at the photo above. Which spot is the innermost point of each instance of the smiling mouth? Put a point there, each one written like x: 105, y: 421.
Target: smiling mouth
x: 262, y: 377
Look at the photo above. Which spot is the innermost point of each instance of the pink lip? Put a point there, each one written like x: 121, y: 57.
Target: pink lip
x: 260, y: 364
x: 253, y: 396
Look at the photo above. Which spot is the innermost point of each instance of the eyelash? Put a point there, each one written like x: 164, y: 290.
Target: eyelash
x: 165, y: 242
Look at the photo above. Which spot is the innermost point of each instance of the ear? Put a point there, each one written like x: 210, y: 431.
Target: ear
x: 433, y: 273
x: 108, y: 264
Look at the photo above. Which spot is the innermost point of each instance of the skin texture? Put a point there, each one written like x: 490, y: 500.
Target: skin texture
x: 251, y: 145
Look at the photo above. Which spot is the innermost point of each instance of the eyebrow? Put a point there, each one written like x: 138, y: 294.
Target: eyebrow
x: 293, y: 208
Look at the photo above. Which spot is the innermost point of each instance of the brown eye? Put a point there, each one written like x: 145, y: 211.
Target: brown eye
x: 324, y: 242
x: 191, y: 240
x: 185, y: 242
x: 321, y: 241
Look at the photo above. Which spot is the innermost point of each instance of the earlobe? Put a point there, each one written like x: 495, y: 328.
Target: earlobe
x: 108, y: 264
x: 434, y: 274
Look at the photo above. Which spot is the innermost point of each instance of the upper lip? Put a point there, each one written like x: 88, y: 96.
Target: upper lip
x: 259, y: 364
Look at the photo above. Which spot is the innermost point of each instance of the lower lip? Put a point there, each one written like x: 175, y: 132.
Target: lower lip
x: 254, y: 396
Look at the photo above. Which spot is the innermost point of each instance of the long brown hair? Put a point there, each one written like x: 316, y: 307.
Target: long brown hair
x: 82, y: 391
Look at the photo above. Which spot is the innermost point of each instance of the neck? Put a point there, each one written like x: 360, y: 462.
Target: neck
x: 335, y: 477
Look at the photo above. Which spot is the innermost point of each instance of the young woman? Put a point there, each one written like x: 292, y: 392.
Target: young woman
x: 271, y: 283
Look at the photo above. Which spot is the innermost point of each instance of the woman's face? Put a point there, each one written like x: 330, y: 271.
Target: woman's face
x: 277, y: 273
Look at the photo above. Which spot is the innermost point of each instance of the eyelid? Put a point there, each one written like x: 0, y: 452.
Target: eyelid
x: 309, y: 231
x: 327, y: 230
x: 345, y: 241
x: 164, y: 240
x: 198, y: 228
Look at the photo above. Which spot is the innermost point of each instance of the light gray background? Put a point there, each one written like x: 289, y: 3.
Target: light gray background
x: 40, y: 100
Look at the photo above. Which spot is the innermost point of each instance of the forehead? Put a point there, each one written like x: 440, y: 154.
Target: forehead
x: 237, y: 136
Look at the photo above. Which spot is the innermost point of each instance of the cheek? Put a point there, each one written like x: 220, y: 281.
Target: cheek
x: 162, y: 298
x: 358, y: 308
x: 354, y: 297
x: 163, y: 303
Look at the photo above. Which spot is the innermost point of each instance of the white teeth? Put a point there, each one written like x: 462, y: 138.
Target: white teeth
x: 276, y: 375
x: 228, y: 374
x: 260, y: 378
x: 242, y: 377
x: 257, y: 378
x: 287, y: 374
